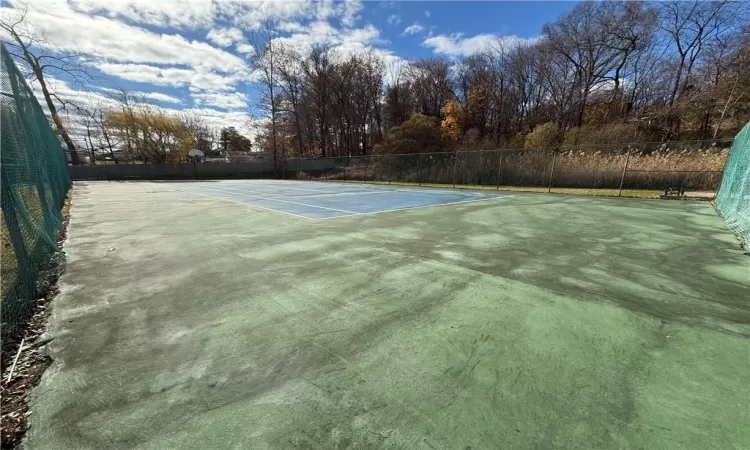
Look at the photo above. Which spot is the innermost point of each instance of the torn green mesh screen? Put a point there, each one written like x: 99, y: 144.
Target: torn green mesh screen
x: 733, y: 198
x: 35, y: 180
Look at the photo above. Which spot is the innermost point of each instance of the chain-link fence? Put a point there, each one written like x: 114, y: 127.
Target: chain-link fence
x: 35, y: 181
x: 733, y: 198
x: 690, y: 166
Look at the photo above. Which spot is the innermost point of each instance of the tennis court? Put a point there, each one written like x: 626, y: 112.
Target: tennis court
x: 219, y: 315
x: 314, y: 200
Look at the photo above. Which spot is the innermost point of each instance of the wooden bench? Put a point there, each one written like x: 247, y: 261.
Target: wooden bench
x: 678, y: 191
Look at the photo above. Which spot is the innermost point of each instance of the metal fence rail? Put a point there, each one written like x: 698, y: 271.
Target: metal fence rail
x: 693, y: 166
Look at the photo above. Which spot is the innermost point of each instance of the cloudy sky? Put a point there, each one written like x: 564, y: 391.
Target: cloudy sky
x: 193, y: 54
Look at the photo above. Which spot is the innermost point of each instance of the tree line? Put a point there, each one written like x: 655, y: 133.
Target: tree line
x: 605, y: 72
x: 127, y: 128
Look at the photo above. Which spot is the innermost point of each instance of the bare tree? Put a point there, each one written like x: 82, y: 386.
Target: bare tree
x: 630, y: 28
x: 691, y: 26
x: 580, y: 38
x: 290, y: 73
x: 430, y: 85
x: 317, y: 69
x: 25, y: 44
x: 266, y: 61
x: 86, y: 122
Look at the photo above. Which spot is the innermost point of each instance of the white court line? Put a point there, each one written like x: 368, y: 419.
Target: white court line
x: 283, y: 201
x: 418, y: 207
x: 278, y: 185
x: 336, y: 193
x: 424, y: 189
x: 349, y: 213
x: 384, y: 191
x: 385, y: 188
x: 249, y: 204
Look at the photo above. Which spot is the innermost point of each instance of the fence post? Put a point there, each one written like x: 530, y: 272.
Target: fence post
x: 499, y: 171
x: 419, y: 170
x: 346, y: 165
x: 480, y: 171
x: 389, y: 169
x: 551, y: 171
x: 455, y: 163
x: 624, y: 171
x: 365, y: 158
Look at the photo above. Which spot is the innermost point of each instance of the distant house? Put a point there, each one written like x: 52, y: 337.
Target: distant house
x: 247, y: 156
x: 118, y: 156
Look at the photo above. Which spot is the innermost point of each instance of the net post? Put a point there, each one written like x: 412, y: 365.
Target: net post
x: 419, y: 170
x: 389, y: 170
x: 499, y: 170
x: 455, y: 163
x: 479, y: 181
x: 624, y: 171
x: 551, y: 171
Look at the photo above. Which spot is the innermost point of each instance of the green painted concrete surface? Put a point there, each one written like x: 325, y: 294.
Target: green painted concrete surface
x: 532, y: 322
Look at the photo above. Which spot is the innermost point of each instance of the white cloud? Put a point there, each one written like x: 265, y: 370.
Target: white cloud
x: 427, y: 13
x: 252, y: 14
x: 226, y: 100
x: 163, y: 13
x: 343, y: 41
x: 349, y: 12
x: 394, y: 19
x: 413, y: 29
x: 224, y: 37
x: 457, y: 45
x: 170, y: 76
x: 245, y: 49
x: 68, y: 93
x: 291, y: 27
x: 69, y: 30
x: 158, y: 96
x: 201, y: 14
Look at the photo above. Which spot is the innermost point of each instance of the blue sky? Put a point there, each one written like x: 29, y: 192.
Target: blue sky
x: 194, y: 54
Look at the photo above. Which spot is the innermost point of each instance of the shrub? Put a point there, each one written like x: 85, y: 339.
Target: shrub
x: 615, y: 133
x: 543, y: 136
x: 417, y: 135
x: 518, y: 140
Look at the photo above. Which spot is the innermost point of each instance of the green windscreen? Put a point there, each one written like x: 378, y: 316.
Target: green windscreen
x: 733, y: 198
x: 35, y: 180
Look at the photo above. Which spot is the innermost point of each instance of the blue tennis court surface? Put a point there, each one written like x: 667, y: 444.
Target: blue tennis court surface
x: 318, y: 200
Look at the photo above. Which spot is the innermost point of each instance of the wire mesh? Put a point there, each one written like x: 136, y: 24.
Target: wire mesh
x: 34, y: 177
x: 733, y: 198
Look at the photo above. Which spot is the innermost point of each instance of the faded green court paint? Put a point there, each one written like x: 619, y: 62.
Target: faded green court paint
x: 535, y: 322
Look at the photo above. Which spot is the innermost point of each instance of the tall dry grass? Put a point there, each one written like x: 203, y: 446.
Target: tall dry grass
x: 576, y: 167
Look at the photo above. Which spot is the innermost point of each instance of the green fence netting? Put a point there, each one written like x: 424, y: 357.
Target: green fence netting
x: 34, y: 177
x: 733, y: 198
